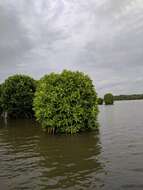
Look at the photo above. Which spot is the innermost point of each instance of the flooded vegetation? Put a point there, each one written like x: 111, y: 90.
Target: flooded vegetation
x: 108, y: 159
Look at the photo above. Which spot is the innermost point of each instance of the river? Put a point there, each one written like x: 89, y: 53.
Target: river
x: 109, y: 159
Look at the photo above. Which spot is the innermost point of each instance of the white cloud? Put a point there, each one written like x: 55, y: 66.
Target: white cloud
x: 100, y: 37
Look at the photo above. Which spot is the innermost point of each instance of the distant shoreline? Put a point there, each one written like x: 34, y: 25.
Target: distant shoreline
x: 128, y: 97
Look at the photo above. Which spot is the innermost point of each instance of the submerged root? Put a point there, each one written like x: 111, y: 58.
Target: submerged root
x: 51, y: 130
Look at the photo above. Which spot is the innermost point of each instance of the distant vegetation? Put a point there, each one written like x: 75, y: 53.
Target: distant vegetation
x: 109, y: 99
x: 0, y: 100
x: 129, y: 97
x: 66, y: 103
x: 17, y: 93
x: 100, y: 101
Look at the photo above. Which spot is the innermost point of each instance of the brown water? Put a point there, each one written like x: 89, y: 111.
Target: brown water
x: 110, y: 159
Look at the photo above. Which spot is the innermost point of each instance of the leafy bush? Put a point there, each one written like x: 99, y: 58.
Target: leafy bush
x: 0, y: 99
x: 66, y: 102
x: 109, y: 99
x: 100, y: 101
x: 17, y: 96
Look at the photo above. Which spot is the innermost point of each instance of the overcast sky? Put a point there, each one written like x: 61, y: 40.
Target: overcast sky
x: 103, y: 38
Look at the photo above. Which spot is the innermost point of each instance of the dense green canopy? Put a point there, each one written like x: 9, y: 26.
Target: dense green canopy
x: 66, y: 102
x: 0, y: 99
x: 17, y: 96
x: 100, y: 101
x: 109, y: 99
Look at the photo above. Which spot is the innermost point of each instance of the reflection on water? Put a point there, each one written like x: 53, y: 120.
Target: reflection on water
x: 31, y: 159
x: 109, y: 159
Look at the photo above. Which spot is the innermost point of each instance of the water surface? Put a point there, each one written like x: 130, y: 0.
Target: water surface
x: 109, y: 159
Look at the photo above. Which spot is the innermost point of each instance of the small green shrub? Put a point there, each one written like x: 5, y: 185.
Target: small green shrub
x: 100, y: 101
x: 0, y: 99
x: 66, y: 102
x: 17, y: 96
x: 109, y: 99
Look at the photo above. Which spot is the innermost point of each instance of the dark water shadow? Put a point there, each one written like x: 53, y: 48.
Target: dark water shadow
x: 33, y: 159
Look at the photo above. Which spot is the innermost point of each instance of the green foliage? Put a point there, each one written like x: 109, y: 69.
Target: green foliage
x: 100, y: 101
x: 66, y: 102
x: 109, y: 99
x: 0, y: 99
x: 129, y: 97
x: 17, y: 96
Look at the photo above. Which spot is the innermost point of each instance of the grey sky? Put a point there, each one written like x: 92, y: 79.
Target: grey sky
x: 103, y: 38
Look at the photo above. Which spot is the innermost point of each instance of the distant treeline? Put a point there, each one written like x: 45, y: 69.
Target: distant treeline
x: 129, y: 97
